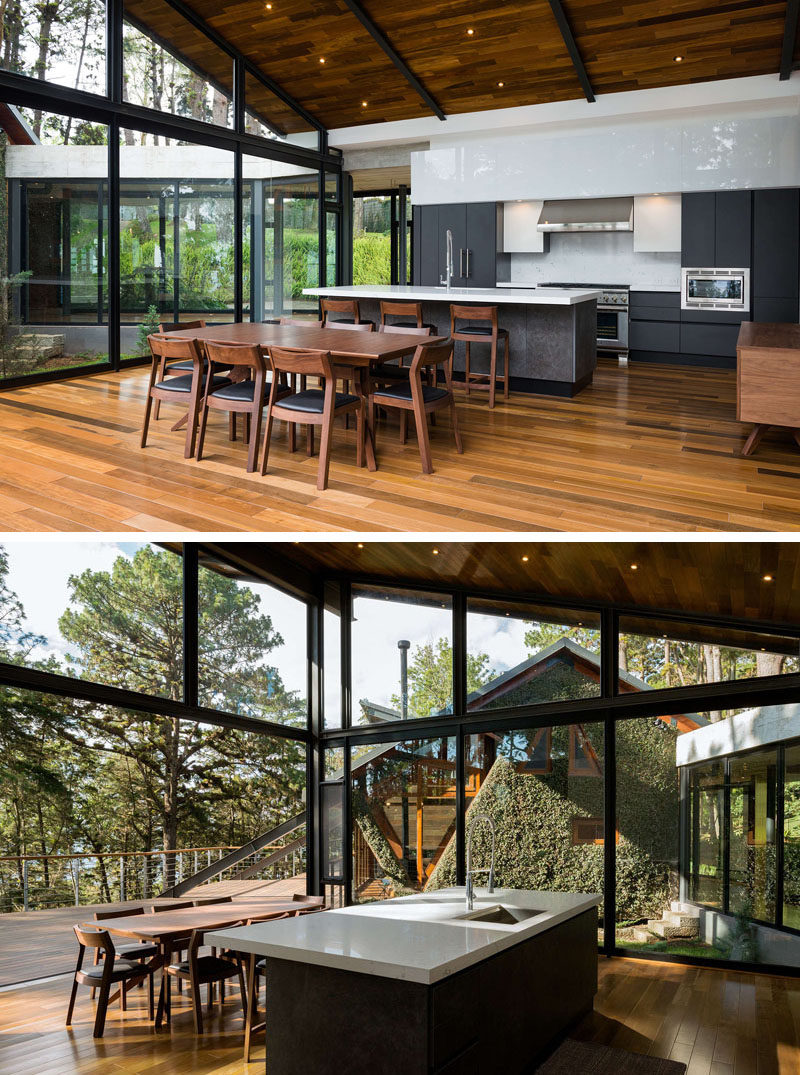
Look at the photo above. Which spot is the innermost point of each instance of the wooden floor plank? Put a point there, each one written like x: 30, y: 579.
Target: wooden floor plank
x: 645, y: 448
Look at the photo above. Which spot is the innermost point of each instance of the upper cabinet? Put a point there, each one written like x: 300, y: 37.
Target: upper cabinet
x: 716, y: 229
x: 476, y: 228
x: 657, y: 224
x: 520, y: 234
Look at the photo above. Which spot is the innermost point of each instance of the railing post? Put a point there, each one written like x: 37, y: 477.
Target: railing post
x: 25, y: 885
x: 76, y: 880
x: 144, y: 876
x: 164, y: 870
x: 121, y: 878
x: 195, y: 862
x: 208, y: 856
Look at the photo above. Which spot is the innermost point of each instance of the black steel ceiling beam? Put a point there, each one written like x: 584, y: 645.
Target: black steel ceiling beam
x: 790, y: 27
x: 399, y: 63
x: 572, y: 48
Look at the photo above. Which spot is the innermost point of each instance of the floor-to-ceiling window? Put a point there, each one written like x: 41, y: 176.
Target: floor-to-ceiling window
x: 382, y: 238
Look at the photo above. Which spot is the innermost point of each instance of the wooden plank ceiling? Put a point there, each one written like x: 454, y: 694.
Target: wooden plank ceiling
x: 517, y: 42
x: 699, y: 578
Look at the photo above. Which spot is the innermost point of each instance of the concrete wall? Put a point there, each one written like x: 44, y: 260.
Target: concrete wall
x: 744, y: 731
x: 773, y: 945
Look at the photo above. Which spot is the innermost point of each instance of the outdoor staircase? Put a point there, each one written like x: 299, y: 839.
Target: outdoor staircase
x: 680, y: 922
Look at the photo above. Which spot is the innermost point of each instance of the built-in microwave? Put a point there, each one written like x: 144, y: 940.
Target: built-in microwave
x: 715, y: 289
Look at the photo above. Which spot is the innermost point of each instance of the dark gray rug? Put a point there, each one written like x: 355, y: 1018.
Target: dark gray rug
x: 587, y: 1058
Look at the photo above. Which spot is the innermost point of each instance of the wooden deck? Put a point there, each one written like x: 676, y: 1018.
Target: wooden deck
x: 645, y: 448
x: 37, y: 944
x: 717, y: 1022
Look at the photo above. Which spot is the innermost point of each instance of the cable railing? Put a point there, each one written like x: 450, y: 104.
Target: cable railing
x: 41, y: 882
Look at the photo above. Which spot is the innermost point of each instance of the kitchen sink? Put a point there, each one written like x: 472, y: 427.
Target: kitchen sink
x: 500, y: 914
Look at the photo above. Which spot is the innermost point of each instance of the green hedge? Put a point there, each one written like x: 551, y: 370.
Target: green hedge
x: 372, y: 259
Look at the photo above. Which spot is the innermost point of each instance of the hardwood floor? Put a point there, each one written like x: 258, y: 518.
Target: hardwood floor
x: 644, y: 448
x: 717, y: 1022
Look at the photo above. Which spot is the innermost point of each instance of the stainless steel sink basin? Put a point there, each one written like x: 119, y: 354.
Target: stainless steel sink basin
x: 500, y: 914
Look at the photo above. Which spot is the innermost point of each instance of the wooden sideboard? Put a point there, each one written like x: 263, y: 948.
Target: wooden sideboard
x: 768, y: 379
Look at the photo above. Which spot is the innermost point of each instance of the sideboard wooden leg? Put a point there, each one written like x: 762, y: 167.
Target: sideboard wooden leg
x: 796, y: 435
x: 753, y: 440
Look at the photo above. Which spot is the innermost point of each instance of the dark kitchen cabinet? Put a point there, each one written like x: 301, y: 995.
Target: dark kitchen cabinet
x: 716, y: 229
x: 475, y: 242
x: 776, y: 253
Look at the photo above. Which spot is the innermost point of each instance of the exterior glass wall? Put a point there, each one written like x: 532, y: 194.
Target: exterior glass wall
x: 791, y: 838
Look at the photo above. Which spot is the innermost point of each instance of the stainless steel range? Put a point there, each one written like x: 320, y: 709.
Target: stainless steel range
x: 612, y: 315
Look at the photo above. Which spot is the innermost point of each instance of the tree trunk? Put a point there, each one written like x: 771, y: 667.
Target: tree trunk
x: 43, y: 843
x: 623, y: 656
x: 219, y: 109
x: 48, y: 14
x: 171, y: 793
x: 712, y: 659
x: 769, y: 664
x: 667, y: 663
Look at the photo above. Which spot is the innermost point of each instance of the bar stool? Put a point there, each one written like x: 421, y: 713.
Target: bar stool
x: 485, y: 333
x: 411, y: 312
x: 342, y: 306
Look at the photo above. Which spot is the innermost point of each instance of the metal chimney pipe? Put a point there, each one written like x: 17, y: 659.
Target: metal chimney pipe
x: 403, y: 645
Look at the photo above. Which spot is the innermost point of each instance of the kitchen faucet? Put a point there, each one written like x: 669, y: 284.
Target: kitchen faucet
x: 470, y: 872
x: 448, y: 278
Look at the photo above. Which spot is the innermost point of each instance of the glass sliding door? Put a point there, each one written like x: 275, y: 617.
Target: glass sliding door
x: 707, y: 812
x: 752, y: 835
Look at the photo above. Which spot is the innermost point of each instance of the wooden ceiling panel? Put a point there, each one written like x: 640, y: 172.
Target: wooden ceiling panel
x: 702, y: 578
x: 624, y: 46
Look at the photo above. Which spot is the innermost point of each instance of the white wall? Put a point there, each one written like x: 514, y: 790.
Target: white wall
x: 743, y: 731
x: 596, y: 257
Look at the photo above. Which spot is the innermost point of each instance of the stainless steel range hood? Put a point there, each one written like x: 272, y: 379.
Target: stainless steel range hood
x: 587, y: 214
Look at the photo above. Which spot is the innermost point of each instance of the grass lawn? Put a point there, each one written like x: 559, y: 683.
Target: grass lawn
x: 678, y: 948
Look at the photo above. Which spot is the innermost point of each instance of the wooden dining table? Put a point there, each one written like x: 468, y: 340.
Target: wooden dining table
x: 164, y: 928
x: 353, y: 352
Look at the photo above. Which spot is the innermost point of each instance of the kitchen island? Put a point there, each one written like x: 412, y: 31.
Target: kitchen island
x: 419, y: 985
x: 552, y: 333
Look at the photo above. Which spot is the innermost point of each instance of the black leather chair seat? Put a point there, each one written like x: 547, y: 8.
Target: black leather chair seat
x: 312, y: 401
x: 239, y: 391
x: 480, y: 330
x: 403, y: 391
x: 412, y: 323
x: 184, y: 383
x: 389, y: 372
x: 209, y: 967
x: 350, y: 321
x: 122, y: 970
x: 187, y: 365
x: 136, y: 951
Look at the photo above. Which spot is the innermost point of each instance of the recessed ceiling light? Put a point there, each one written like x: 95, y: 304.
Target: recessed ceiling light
x: 524, y: 559
x: 322, y: 59
x: 470, y: 32
x: 435, y: 552
x: 361, y: 544
x: 767, y: 578
x: 500, y: 85
x: 269, y: 7
x: 678, y: 59
x: 634, y: 567
x: 363, y: 104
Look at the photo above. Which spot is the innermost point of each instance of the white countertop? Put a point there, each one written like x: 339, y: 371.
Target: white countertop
x: 476, y: 295
x: 415, y: 938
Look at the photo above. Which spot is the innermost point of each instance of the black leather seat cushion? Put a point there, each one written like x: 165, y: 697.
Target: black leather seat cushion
x: 136, y: 951
x: 389, y: 325
x: 403, y: 391
x: 313, y: 400
x: 187, y: 364
x: 390, y: 372
x: 184, y: 383
x: 241, y: 391
x: 209, y: 966
x: 479, y: 330
x: 123, y: 969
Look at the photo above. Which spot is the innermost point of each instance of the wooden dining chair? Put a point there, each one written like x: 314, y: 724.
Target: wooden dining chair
x: 207, y: 970
x: 102, y: 975
x: 133, y: 950
x: 312, y: 407
x: 486, y: 331
x: 363, y: 326
x: 391, y: 372
x: 301, y: 897
x: 300, y: 323
x: 349, y: 307
x: 256, y: 969
x: 246, y: 397
x: 421, y: 400
x: 159, y: 907
x: 183, y: 366
x: 186, y: 388
x: 209, y: 901
x: 411, y: 314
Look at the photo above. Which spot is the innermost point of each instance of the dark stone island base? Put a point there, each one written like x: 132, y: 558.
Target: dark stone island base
x: 499, y: 1015
x: 553, y: 349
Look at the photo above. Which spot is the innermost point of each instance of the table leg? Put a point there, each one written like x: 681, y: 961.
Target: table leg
x: 362, y: 389
x: 754, y: 439
x: 163, y: 993
x: 796, y: 435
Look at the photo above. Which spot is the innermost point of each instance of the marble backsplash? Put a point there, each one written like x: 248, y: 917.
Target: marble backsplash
x: 592, y: 258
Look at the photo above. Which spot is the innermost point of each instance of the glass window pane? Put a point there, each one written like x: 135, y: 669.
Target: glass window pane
x: 372, y: 239
x: 332, y: 645
x: 176, y: 236
x: 752, y: 838
x: 402, y: 655
x: 706, y: 818
x: 171, y: 66
x: 655, y: 654
x: 267, y: 116
x: 331, y: 232
x: 135, y: 803
x: 53, y: 236
x: 110, y: 612
x: 404, y: 816
x: 332, y: 830
x: 519, y: 654
x: 281, y: 239
x: 791, y: 839
x: 548, y: 815
x: 252, y: 646
x: 60, y: 43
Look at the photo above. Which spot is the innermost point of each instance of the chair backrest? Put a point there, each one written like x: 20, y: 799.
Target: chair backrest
x: 211, y: 900
x: 95, y: 938
x: 174, y: 347
x: 473, y: 313
x: 402, y: 309
x: 301, y: 360
x: 172, y: 906
x: 100, y: 916
x: 271, y: 916
x: 309, y: 910
x: 433, y: 355
x: 236, y: 354
x: 301, y: 897
x: 339, y: 306
x: 366, y: 326
x: 175, y: 326
x: 299, y: 321
x: 408, y: 330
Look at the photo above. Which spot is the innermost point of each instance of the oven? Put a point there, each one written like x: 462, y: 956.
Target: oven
x: 715, y: 289
x: 612, y: 315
